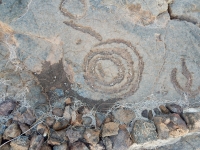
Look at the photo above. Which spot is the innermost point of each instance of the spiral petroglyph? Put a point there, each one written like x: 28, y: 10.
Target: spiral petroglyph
x: 121, y: 76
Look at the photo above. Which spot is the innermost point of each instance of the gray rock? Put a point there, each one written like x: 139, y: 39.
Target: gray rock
x: 91, y: 136
x: 22, y: 143
x: 122, y: 140
x: 157, y: 111
x: 145, y: 113
x: 174, y: 108
x: 143, y: 131
x: 58, y: 112
x: 36, y: 142
x: 109, y: 129
x: 75, y: 133
x: 78, y: 146
x: 192, y: 120
x: 123, y: 115
x: 6, y: 107
x: 12, y: 131
x: 164, y: 110
x: 27, y: 117
x: 187, y: 10
x: 61, y: 147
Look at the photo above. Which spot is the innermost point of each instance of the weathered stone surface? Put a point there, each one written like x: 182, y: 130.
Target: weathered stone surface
x: 123, y: 115
x: 24, y: 128
x: 145, y: 113
x: 75, y: 133
x: 12, y: 131
x: 27, y: 117
x: 36, y: 142
x: 42, y: 129
x: 50, y: 121
x: 143, y: 131
x: 6, y: 107
x: 58, y: 112
x: 174, y: 108
x: 110, y: 129
x: 99, y: 119
x: 122, y: 140
x: 164, y: 110
x: 60, y: 124
x: 78, y: 146
x: 91, y: 136
x: 177, y: 126
x: 161, y: 128
x: 108, y: 143
x: 187, y: 10
x: 46, y: 147
x: 22, y: 143
x: 61, y: 147
x: 67, y: 113
x: 192, y: 120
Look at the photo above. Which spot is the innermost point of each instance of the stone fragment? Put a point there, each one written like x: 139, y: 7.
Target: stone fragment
x: 24, y: 128
x: 46, y: 147
x: 12, y: 131
x: 157, y: 111
x: 68, y: 101
x: 122, y: 139
x: 75, y: 133
x: 78, y: 146
x: 143, y: 131
x: 174, y: 108
x: 108, y: 143
x: 36, y: 142
x: 67, y: 113
x: 6, y: 107
x: 162, y: 129
x: 192, y: 120
x: 83, y: 110
x: 42, y: 129
x: 91, y: 136
x: 6, y: 147
x: 123, y: 115
x: 50, y: 121
x: 177, y: 126
x: 110, y: 129
x: 187, y: 10
x: 99, y: 118
x: 145, y: 113
x: 57, y: 112
x: 150, y: 115
x: 163, y: 109
x: 27, y: 117
x: 87, y: 121
x: 60, y: 124
x: 109, y: 118
x: 9, y: 122
x: 21, y: 143
x: 63, y: 146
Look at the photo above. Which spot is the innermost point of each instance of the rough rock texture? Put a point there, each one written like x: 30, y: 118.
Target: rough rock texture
x: 21, y: 143
x: 12, y: 131
x: 188, y: 10
x: 110, y: 129
x: 192, y: 120
x: 143, y: 131
x: 123, y: 115
x: 6, y: 107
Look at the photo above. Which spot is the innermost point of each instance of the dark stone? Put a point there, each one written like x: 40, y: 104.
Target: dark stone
x: 75, y: 133
x: 174, y: 108
x: 157, y: 111
x: 6, y: 107
x: 145, y: 113
x: 36, y: 142
x: 192, y: 120
x: 122, y: 140
x: 27, y: 117
x: 78, y: 146
x: 164, y: 110
x: 143, y: 131
x: 150, y: 115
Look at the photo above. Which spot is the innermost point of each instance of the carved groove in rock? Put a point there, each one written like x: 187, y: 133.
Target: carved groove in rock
x: 71, y: 15
x: 187, y: 89
x: 125, y: 81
